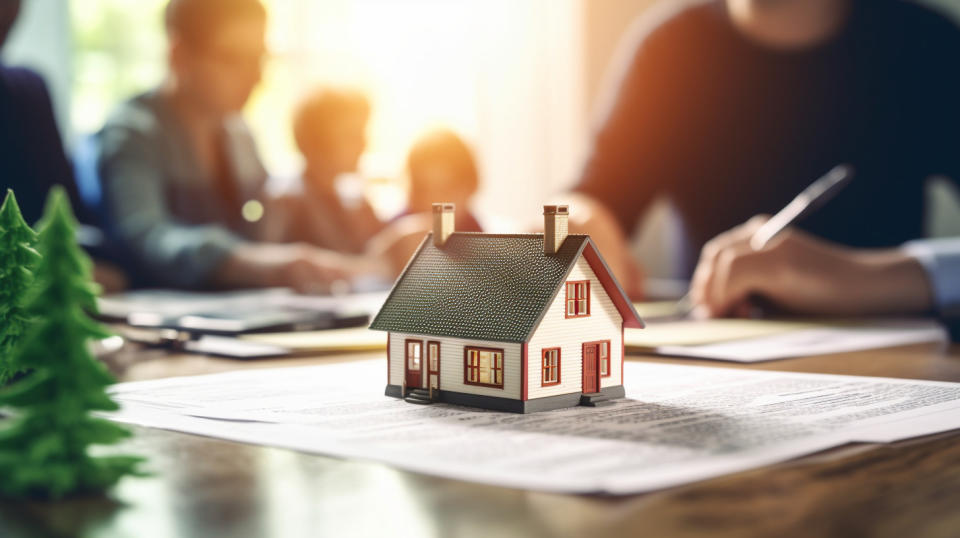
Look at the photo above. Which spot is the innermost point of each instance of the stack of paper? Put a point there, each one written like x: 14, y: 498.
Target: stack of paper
x: 678, y: 424
x: 753, y: 340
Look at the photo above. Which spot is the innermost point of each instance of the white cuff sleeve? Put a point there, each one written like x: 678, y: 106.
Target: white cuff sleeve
x: 941, y: 259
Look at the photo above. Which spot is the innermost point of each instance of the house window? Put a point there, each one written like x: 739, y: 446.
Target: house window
x: 578, y: 299
x: 413, y: 355
x: 550, y: 366
x: 433, y: 356
x: 484, y: 366
x: 605, y: 359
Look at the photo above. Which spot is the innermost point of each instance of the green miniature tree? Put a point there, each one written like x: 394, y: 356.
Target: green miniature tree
x: 43, y: 449
x: 17, y: 258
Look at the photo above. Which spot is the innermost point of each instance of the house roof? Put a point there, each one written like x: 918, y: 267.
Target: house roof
x: 488, y: 286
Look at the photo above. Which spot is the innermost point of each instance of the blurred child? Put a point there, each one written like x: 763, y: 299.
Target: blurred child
x: 330, y: 131
x: 441, y: 168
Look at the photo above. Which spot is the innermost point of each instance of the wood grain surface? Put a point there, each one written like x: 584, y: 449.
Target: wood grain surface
x: 210, y: 488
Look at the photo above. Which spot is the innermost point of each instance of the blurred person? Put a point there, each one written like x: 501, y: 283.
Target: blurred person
x: 181, y: 176
x: 799, y: 273
x: 32, y: 157
x: 730, y: 108
x: 330, y: 130
x: 441, y: 168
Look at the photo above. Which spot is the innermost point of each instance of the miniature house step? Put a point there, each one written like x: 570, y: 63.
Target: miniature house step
x: 595, y: 399
x: 418, y: 396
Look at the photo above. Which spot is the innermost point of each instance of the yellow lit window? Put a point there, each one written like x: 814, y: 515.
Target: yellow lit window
x: 484, y: 367
x: 550, y: 366
x: 578, y: 299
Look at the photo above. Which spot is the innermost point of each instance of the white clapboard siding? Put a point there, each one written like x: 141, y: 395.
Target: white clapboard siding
x: 555, y: 330
x: 452, y: 364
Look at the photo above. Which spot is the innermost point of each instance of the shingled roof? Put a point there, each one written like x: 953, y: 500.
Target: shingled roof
x: 487, y: 286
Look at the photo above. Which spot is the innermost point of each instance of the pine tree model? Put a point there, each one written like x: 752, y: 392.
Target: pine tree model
x: 17, y: 258
x: 44, y: 447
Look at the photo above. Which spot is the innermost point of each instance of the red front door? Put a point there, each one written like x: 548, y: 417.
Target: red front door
x: 414, y: 364
x: 590, y: 368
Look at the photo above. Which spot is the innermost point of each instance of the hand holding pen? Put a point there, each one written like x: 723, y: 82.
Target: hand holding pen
x: 719, y: 284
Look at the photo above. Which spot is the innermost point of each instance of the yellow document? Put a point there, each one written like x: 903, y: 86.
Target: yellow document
x: 353, y: 339
x: 657, y: 309
x: 707, y: 331
x: 753, y: 340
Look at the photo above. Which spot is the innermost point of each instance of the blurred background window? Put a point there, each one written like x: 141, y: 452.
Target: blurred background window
x: 506, y: 75
x: 519, y: 79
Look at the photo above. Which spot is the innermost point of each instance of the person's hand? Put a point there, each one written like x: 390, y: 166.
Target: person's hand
x: 399, y: 240
x: 302, y: 267
x: 110, y: 277
x: 799, y: 273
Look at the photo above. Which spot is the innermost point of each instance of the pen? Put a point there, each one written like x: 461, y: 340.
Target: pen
x: 809, y: 200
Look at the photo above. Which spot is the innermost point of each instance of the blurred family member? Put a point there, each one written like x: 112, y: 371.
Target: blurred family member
x: 182, y: 180
x: 330, y: 130
x: 730, y: 108
x: 441, y: 168
x: 32, y: 158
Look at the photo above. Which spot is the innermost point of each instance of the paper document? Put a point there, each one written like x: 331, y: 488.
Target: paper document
x: 750, y: 340
x: 177, y: 303
x: 238, y: 312
x: 678, y: 424
x: 353, y: 339
x: 696, y: 332
x: 654, y: 310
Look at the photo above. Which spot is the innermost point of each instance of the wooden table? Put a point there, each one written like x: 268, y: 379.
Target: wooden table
x: 206, y: 487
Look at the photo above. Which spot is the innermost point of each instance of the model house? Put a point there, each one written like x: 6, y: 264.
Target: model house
x: 511, y: 322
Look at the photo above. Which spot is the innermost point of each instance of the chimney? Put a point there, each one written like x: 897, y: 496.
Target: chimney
x: 554, y: 227
x: 442, y: 222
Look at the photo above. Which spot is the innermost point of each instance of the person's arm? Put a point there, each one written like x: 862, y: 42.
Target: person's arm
x: 398, y: 241
x: 302, y: 267
x: 590, y: 217
x: 629, y: 158
x: 799, y: 273
x: 372, y: 224
x: 191, y: 256
x: 941, y: 260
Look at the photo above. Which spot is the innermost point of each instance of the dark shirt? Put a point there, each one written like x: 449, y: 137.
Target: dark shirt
x: 728, y: 128
x: 32, y: 158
